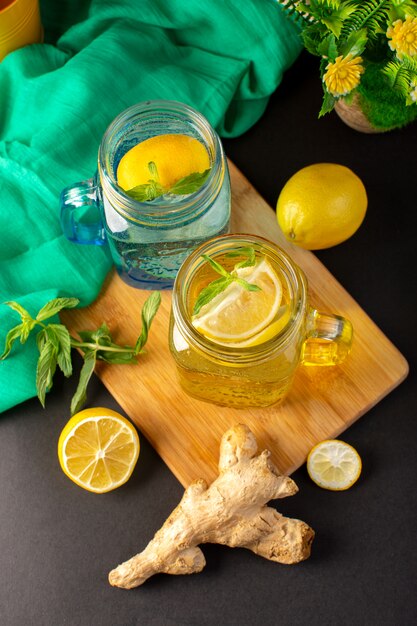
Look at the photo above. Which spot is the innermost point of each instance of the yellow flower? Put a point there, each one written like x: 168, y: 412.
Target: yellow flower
x: 343, y: 75
x: 403, y: 35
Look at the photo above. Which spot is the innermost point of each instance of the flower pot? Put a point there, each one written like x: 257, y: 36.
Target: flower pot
x: 353, y: 116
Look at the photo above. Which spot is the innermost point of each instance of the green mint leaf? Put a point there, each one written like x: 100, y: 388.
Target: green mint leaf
x: 52, y: 337
x: 87, y: 370
x: 249, y: 252
x: 54, y: 306
x: 41, y: 338
x: 64, y: 348
x: 189, y: 184
x: 146, y: 192
x: 148, y: 312
x: 211, y: 291
x: 86, y: 335
x: 12, y: 335
x: 217, y: 286
x: 247, y: 286
x: 27, y: 326
x: 117, y: 358
x: 25, y: 315
x: 102, y: 335
x: 153, y: 170
x: 45, y: 369
x: 216, y: 266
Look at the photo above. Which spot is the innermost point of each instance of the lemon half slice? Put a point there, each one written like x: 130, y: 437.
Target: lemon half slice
x: 175, y: 157
x: 334, y: 464
x: 237, y: 314
x: 98, y: 449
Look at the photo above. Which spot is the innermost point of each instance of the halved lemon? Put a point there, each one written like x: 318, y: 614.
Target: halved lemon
x: 174, y: 155
x: 98, y: 449
x: 334, y: 464
x: 236, y: 314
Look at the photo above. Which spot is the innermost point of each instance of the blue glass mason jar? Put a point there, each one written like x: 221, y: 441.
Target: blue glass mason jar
x: 148, y: 241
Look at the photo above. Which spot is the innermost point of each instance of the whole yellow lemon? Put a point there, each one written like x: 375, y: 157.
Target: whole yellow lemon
x: 321, y: 205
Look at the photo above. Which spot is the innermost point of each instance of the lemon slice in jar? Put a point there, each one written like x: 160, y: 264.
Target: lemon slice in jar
x: 175, y: 156
x: 237, y: 314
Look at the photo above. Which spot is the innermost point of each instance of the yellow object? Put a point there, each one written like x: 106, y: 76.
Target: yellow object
x: 175, y: 157
x: 20, y: 24
x: 403, y: 35
x: 236, y: 314
x: 321, y: 205
x: 343, y: 75
x: 334, y: 464
x: 98, y: 449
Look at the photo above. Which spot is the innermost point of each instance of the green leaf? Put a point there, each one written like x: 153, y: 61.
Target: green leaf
x: 153, y: 170
x: 334, y: 24
x: 217, y: 286
x: 250, y: 261
x: 247, y: 286
x: 117, y: 358
x: 27, y: 326
x: 355, y: 43
x: 216, y: 266
x: 41, y: 338
x: 12, y: 335
x: 102, y: 335
x: 189, y: 184
x: 146, y: 192
x: 328, y: 48
x: 153, y: 189
x: 311, y: 42
x: 149, y: 311
x: 19, y: 309
x: 64, y: 348
x: 87, y: 370
x: 54, y: 306
x: 45, y: 369
x: 87, y: 335
x: 328, y: 103
x: 211, y: 291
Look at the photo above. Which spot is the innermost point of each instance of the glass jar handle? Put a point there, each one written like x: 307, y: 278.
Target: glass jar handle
x: 328, y: 341
x: 80, y: 213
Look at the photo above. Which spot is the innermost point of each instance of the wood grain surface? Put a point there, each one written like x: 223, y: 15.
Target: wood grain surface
x: 322, y: 403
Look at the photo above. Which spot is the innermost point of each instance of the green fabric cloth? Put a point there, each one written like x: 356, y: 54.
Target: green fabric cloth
x: 223, y: 57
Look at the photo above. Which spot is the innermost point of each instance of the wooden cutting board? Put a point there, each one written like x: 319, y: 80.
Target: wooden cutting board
x: 186, y: 432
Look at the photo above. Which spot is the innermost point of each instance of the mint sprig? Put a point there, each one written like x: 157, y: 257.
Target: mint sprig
x: 153, y: 188
x: 213, y: 289
x: 54, y: 343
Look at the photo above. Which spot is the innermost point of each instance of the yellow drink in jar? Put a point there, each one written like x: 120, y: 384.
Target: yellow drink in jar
x: 242, y: 348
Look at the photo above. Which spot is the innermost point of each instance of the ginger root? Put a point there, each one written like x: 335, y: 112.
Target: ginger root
x: 231, y: 511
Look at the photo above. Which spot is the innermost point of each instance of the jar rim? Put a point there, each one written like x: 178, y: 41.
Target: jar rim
x: 174, y: 213
x: 293, y: 274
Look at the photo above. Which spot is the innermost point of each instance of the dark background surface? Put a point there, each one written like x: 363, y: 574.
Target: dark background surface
x: 58, y: 542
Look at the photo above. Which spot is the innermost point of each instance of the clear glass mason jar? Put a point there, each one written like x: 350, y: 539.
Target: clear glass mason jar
x: 148, y: 241
x: 259, y: 375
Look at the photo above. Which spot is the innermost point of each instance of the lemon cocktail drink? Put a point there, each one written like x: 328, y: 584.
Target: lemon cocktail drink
x: 162, y: 187
x: 241, y: 323
x: 187, y: 193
